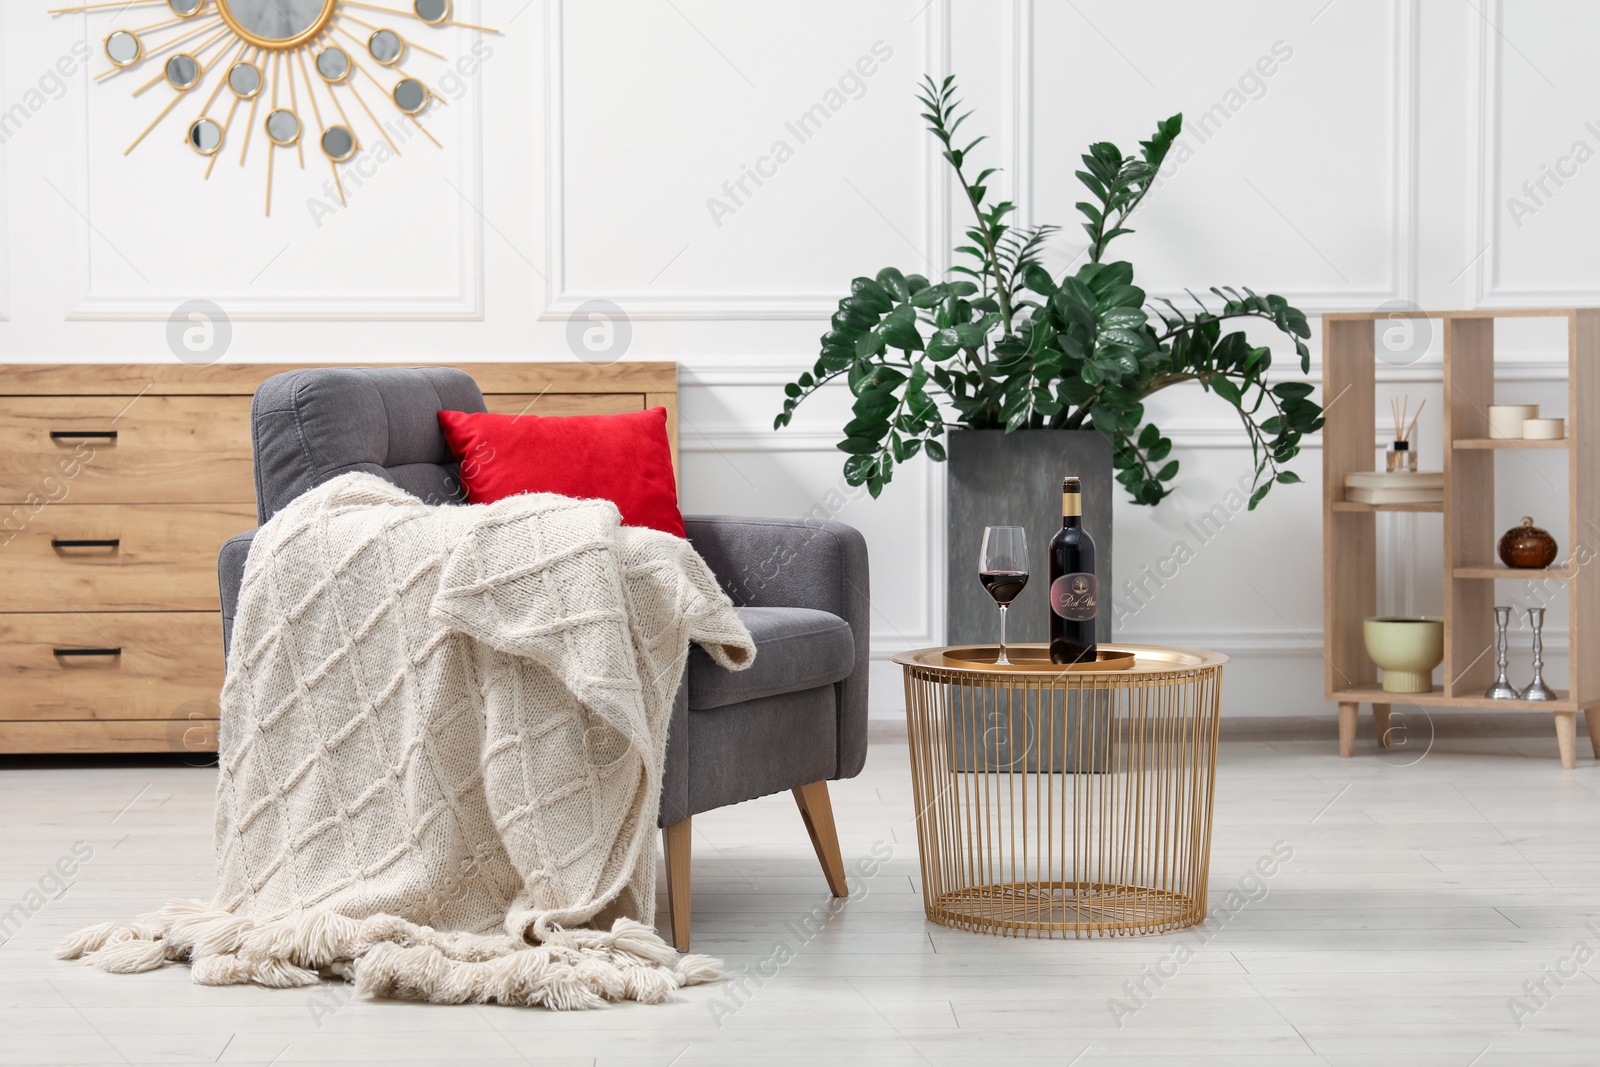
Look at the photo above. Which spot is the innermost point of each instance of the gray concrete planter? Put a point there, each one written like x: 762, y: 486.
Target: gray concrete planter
x: 1001, y: 479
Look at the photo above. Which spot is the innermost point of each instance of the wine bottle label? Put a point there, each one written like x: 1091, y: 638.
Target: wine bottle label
x: 1072, y: 596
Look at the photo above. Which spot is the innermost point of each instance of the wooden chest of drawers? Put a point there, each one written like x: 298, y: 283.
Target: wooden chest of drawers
x: 118, y: 485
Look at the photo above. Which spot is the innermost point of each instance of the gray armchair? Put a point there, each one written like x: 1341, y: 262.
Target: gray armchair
x: 794, y: 720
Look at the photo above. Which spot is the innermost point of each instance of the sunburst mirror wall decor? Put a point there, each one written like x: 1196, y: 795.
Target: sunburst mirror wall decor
x: 281, y: 57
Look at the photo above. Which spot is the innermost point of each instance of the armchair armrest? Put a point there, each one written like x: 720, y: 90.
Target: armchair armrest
x: 800, y: 563
x: 230, y: 576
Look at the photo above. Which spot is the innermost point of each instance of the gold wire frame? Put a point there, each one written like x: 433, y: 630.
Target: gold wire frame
x: 1065, y: 803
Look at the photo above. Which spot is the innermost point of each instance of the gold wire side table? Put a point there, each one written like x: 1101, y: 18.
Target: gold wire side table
x: 1054, y: 801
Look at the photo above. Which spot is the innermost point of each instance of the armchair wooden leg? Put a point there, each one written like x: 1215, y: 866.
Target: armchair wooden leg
x: 1347, y: 728
x: 1592, y: 716
x: 676, y: 839
x: 817, y: 811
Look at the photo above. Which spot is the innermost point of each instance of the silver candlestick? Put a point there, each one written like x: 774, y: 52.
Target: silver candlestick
x: 1537, y: 690
x: 1502, y: 689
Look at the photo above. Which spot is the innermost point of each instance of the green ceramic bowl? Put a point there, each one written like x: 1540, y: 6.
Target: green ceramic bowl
x: 1407, y: 649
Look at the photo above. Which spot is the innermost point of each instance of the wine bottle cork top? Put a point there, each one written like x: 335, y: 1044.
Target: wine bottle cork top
x: 1071, y: 485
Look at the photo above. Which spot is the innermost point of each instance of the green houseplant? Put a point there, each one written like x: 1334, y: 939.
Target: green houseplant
x: 1003, y: 345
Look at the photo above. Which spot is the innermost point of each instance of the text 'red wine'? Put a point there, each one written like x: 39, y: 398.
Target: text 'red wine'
x: 1074, y: 593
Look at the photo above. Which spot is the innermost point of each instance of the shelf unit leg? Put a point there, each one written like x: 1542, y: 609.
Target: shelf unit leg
x: 1380, y: 723
x: 1347, y: 728
x: 1592, y: 717
x: 1567, y: 737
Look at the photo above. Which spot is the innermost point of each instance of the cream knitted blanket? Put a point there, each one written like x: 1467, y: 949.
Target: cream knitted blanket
x: 442, y: 760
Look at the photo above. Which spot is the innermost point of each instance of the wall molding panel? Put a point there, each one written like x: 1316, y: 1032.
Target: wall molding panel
x: 1404, y: 74
x: 1485, y: 217
x: 460, y: 299
x: 561, y: 302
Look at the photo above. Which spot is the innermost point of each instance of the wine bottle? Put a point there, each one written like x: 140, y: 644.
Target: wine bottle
x: 1074, y: 591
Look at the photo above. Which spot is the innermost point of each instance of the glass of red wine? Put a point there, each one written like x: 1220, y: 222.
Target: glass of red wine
x: 1003, y: 570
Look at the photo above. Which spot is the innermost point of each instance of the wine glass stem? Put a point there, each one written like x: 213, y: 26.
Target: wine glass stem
x: 1002, y: 658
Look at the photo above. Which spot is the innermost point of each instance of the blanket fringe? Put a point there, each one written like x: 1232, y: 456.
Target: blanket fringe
x: 386, y: 956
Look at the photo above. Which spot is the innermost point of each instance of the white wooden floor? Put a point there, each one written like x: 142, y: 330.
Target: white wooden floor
x: 1421, y: 898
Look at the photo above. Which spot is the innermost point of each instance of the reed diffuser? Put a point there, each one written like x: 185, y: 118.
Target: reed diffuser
x: 1402, y: 457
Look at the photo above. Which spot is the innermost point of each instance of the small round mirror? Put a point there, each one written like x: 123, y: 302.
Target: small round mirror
x: 283, y: 127
x: 182, y: 72
x: 205, y: 136
x: 432, y: 10
x: 123, y: 48
x: 410, y: 96
x: 245, y: 80
x: 338, y: 143
x: 333, y: 64
x: 386, y: 46
x: 184, y: 8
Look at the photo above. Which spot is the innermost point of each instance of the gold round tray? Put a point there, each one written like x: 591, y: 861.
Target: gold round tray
x: 1033, y: 659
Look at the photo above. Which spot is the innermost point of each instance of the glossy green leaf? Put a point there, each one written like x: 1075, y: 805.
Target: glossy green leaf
x: 894, y: 282
x: 971, y: 335
x: 901, y: 333
x: 871, y: 295
x: 1225, y: 388
x: 905, y: 449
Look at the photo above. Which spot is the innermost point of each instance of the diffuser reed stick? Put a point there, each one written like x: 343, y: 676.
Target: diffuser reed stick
x: 1406, y: 437
x: 1402, y: 457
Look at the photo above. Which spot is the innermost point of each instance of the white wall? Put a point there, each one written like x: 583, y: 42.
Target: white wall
x: 1373, y: 165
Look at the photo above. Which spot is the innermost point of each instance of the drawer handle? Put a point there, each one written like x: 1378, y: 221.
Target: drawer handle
x: 99, y: 435
x: 88, y: 651
x: 110, y: 542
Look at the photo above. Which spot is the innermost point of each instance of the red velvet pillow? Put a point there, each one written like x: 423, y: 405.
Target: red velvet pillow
x: 621, y: 458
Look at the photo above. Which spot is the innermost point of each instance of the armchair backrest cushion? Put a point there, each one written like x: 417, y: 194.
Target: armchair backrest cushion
x: 312, y: 425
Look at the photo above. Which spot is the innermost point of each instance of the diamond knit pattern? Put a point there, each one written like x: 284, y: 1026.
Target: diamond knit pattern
x: 455, y: 715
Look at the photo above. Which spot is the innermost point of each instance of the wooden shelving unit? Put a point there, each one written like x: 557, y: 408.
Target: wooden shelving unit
x: 1350, y: 542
